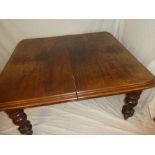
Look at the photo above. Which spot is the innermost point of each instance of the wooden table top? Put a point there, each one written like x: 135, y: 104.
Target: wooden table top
x: 59, y: 69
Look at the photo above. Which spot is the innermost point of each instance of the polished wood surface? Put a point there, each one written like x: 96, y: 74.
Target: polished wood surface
x: 102, y: 66
x: 38, y: 72
x: 60, y: 69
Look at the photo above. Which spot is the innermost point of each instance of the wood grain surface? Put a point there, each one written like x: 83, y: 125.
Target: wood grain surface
x: 102, y: 66
x: 59, y: 69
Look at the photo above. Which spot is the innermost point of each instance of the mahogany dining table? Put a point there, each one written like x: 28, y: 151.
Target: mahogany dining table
x: 54, y: 70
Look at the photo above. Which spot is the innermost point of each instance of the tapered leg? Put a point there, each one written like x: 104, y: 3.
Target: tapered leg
x: 20, y: 118
x: 131, y: 100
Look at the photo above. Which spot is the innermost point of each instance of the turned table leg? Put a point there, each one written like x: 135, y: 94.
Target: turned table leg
x: 20, y: 118
x: 131, y: 100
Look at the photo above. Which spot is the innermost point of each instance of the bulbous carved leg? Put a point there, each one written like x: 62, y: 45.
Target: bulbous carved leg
x: 131, y: 100
x: 20, y: 118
